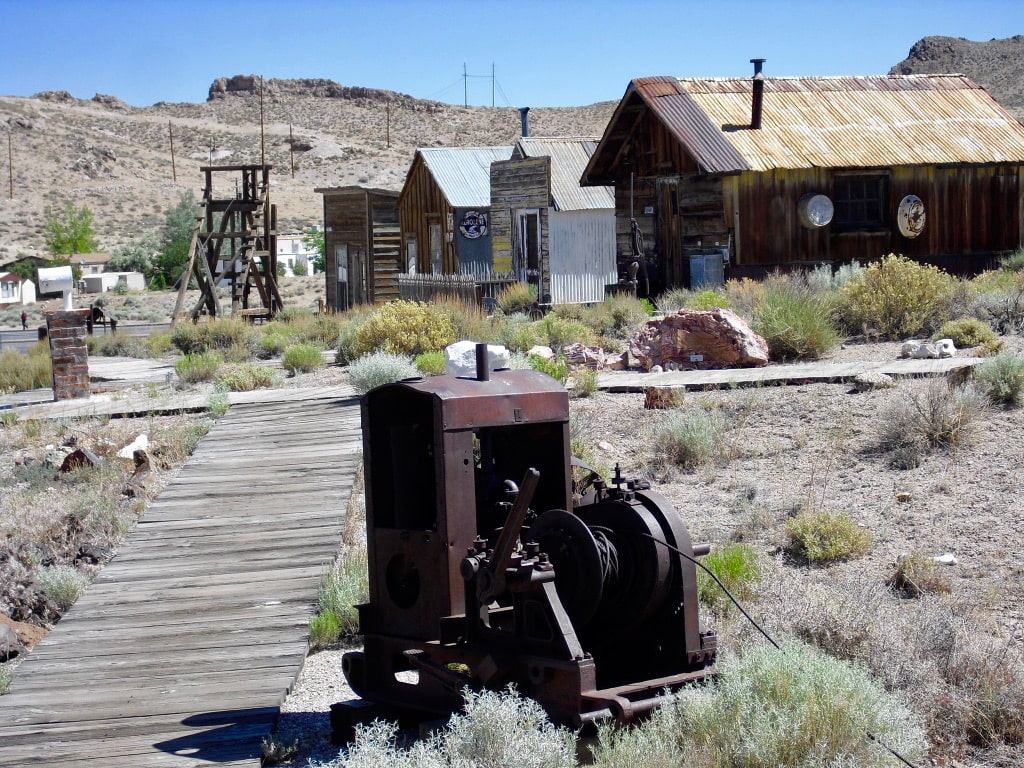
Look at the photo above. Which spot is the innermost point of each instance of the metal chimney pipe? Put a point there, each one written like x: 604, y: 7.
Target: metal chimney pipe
x: 483, y: 369
x: 758, y: 94
x: 524, y: 122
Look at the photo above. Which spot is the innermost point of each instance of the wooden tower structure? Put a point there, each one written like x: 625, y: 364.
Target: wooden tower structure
x: 235, y: 242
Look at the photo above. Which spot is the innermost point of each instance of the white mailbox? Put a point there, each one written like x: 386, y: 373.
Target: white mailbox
x: 57, y: 280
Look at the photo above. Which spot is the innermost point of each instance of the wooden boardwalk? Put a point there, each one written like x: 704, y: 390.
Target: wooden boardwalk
x: 182, y: 650
x: 793, y: 373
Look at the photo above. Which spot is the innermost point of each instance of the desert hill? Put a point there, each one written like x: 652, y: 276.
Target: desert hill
x: 116, y: 158
x: 996, y: 65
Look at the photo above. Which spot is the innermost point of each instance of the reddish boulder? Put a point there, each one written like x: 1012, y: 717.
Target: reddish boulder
x: 695, y: 339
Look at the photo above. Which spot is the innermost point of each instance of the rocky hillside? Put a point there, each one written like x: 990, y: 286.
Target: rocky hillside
x: 997, y: 65
x: 116, y: 158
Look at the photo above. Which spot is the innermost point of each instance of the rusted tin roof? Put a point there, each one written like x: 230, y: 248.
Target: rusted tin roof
x: 464, y: 173
x: 835, y: 122
x: 569, y: 156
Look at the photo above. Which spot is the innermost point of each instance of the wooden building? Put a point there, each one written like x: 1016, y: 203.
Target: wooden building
x: 548, y: 230
x: 362, y: 246
x: 444, y: 208
x: 777, y: 172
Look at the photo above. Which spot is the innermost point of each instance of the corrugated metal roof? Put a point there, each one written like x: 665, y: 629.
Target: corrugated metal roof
x: 569, y: 156
x: 464, y: 173
x: 837, y: 122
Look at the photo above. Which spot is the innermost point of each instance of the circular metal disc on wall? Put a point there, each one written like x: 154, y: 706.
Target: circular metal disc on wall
x: 910, y: 216
x: 815, y: 210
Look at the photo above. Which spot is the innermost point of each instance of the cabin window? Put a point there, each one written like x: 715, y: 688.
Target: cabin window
x: 860, y: 202
x: 7, y: 290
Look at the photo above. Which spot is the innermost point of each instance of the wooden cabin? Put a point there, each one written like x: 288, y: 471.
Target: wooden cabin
x: 362, y: 245
x: 547, y: 230
x: 781, y: 172
x: 445, y: 208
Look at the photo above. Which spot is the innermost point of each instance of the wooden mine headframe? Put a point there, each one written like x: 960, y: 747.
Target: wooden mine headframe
x: 235, y: 240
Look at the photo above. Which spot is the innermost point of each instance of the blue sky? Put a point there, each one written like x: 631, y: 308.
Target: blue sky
x: 550, y: 53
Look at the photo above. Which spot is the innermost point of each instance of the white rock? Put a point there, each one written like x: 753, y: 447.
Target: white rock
x: 656, y: 369
x: 946, y: 559
x: 945, y: 347
x: 460, y: 358
x: 539, y: 350
x: 925, y: 351
x: 140, y: 443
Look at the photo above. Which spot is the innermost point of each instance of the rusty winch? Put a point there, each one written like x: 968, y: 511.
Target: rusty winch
x: 485, y: 569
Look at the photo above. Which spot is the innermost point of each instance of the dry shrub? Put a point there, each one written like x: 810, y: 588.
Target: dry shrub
x: 929, y: 415
x: 824, y: 537
x: 404, y: 328
x: 916, y: 575
x: 896, y: 297
x: 966, y: 684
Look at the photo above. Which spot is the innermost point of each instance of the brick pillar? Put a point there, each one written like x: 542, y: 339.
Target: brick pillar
x: 69, y: 354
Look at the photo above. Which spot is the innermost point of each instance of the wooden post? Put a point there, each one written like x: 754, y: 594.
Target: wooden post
x: 291, y: 149
x: 263, y: 143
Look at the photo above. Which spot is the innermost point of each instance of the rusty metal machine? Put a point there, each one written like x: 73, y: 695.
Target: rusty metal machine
x: 486, y: 569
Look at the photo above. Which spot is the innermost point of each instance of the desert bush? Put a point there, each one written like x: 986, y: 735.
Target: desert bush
x: 517, y: 297
x: 116, y: 345
x: 930, y: 416
x: 223, y: 334
x: 1001, y: 378
x: 744, y: 295
x: 672, y: 300
x: 618, y: 317
x: 378, y: 368
x: 966, y: 685
x: 404, y: 328
x: 966, y: 332
x: 782, y: 707
x: 584, y: 381
x: 431, y: 363
x: 916, y: 575
x: 991, y: 348
x: 468, y: 319
x: 201, y: 366
x: 796, y: 323
x: 896, y: 297
x: 824, y: 537
x: 21, y: 372
x: 735, y: 565
x: 344, y: 586
x: 560, y: 332
x: 688, y: 438
x: 1013, y: 262
x: 302, y: 358
x: 62, y: 584
x: 707, y: 298
x: 158, y: 344
x: 495, y: 729
x: 246, y: 377
x: 555, y: 367
x: 273, y: 343
x: 520, y: 334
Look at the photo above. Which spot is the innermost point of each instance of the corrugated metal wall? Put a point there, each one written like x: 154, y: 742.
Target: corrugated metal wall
x: 582, y: 255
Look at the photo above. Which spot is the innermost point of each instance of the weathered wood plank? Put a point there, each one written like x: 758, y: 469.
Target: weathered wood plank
x: 181, y: 651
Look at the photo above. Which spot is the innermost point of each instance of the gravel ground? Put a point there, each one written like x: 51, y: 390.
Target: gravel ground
x: 814, y: 444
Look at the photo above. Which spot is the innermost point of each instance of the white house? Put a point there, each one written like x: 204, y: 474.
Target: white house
x: 292, y: 249
x: 14, y: 289
x: 109, y: 281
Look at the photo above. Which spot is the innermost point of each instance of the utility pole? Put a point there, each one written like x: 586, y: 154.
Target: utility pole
x: 389, y: 124
x: 291, y: 149
x: 10, y: 160
x: 492, y: 84
x: 465, y: 86
x: 170, y: 132
x: 263, y: 144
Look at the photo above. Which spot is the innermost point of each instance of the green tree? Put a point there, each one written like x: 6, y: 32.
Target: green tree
x: 179, y: 225
x: 314, y: 240
x: 137, y: 256
x: 69, y: 231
